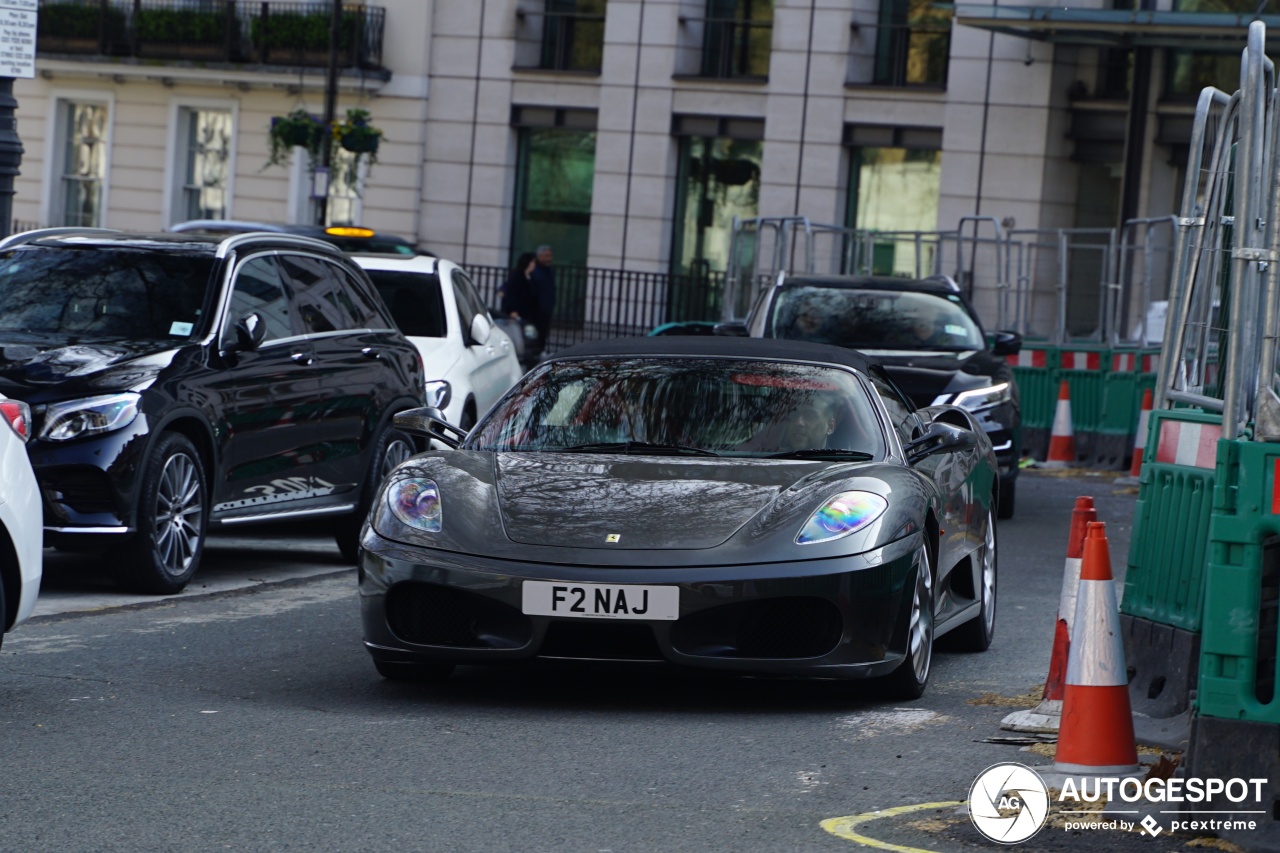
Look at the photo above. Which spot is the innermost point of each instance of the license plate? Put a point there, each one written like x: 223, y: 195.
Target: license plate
x: 600, y: 601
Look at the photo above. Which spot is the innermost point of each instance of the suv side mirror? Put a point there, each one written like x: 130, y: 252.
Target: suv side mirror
x: 481, y: 329
x: 939, y: 437
x: 732, y: 329
x: 251, y: 331
x: 1006, y: 343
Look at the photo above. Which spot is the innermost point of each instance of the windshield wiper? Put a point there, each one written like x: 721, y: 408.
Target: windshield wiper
x: 638, y: 446
x: 822, y: 453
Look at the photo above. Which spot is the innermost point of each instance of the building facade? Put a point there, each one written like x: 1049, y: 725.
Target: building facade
x: 627, y: 134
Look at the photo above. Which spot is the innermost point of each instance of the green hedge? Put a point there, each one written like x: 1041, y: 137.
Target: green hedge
x: 308, y: 31
x: 76, y: 21
x: 180, y: 25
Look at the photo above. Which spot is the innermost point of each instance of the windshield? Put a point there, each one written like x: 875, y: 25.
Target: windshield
x: 673, y: 405
x: 103, y: 292
x: 875, y: 319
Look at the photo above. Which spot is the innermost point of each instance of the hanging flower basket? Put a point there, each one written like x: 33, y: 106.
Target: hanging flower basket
x: 287, y: 132
x: 356, y: 135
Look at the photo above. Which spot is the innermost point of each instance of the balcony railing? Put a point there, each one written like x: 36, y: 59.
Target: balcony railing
x: 266, y: 32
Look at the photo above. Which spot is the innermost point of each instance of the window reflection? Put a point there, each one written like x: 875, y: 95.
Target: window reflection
x: 83, y: 163
x: 913, y: 43
x: 206, y: 163
x: 719, y: 180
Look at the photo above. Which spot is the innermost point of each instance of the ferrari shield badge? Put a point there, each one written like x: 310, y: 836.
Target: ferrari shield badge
x: 612, y: 537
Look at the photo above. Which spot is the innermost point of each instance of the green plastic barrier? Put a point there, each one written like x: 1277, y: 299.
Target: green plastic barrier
x: 1035, y: 372
x: 1121, y: 403
x: 1239, y: 645
x: 1164, y: 581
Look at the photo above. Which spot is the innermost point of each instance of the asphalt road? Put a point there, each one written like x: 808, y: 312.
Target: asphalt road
x: 245, y: 715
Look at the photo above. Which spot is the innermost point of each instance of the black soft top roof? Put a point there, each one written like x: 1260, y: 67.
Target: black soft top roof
x: 737, y: 347
x: 933, y: 284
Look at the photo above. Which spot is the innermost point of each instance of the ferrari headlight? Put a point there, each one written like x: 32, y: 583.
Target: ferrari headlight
x: 981, y: 399
x: 89, y: 416
x: 843, y: 514
x: 416, y: 503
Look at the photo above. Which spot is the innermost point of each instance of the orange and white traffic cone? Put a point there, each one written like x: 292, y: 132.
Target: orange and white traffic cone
x: 1062, y: 440
x: 1140, y: 438
x: 1047, y: 716
x: 1096, y: 735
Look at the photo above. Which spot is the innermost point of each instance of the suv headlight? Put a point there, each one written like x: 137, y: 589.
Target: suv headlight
x: 981, y: 399
x: 90, y: 416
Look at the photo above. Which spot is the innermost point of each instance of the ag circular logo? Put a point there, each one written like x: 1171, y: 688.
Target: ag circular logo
x: 1008, y: 803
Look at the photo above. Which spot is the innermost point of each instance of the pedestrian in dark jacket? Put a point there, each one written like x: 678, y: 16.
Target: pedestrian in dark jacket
x: 516, y: 293
x: 543, y: 281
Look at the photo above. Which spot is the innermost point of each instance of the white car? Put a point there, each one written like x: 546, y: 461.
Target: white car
x: 21, y: 518
x: 468, y: 361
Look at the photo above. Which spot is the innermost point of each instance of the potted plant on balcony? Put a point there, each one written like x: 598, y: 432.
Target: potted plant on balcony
x: 356, y: 135
x: 297, y: 128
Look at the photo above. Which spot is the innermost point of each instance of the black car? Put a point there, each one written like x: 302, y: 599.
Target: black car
x: 925, y: 334
x: 182, y: 383
x: 754, y: 507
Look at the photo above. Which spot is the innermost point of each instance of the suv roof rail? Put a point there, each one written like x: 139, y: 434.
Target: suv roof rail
x: 232, y: 242
x: 59, y: 231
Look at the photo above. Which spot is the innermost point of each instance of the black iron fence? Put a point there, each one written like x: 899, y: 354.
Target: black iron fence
x: 594, y: 303
x: 269, y: 32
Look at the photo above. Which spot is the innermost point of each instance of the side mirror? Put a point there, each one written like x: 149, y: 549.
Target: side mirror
x: 732, y: 329
x: 481, y: 329
x: 251, y: 331
x: 1006, y: 343
x: 430, y: 422
x: 937, y: 438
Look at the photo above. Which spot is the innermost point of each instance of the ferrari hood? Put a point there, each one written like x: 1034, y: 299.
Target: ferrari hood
x: 626, y: 502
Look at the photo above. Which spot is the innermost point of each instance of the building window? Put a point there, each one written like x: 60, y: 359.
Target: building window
x: 555, y: 173
x: 204, y: 163
x: 718, y: 179
x: 894, y: 186
x: 83, y: 167
x: 913, y: 43
x: 736, y: 38
x: 573, y: 35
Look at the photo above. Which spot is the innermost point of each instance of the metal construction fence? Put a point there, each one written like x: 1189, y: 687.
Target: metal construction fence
x: 1201, y: 606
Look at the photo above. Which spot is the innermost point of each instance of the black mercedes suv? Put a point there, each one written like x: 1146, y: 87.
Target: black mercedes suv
x: 924, y: 332
x: 181, y: 383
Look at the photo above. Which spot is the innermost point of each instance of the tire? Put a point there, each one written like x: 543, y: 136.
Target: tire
x: 421, y: 673
x: 909, y: 680
x: 976, y: 634
x: 1004, y: 509
x: 391, y: 448
x: 172, y: 517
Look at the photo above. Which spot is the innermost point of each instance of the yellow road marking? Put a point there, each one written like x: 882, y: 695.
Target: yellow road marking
x: 843, y: 827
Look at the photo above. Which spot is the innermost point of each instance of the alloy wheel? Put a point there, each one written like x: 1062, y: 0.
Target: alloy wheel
x: 920, y: 630
x: 178, y: 514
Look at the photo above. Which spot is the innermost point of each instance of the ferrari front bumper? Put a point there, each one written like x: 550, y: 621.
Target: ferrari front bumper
x: 842, y: 617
